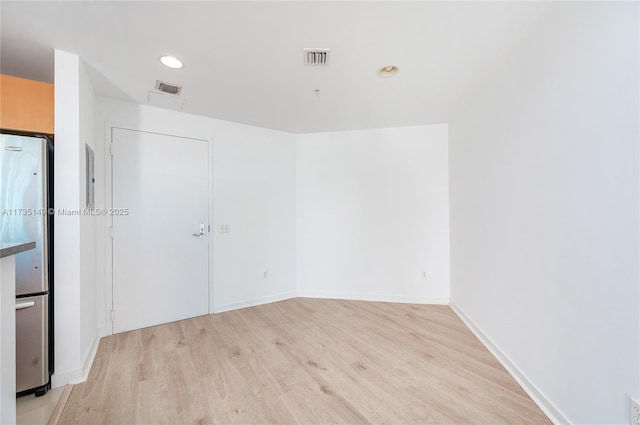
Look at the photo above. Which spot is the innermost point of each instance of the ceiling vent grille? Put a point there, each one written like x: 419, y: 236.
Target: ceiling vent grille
x: 316, y: 56
x: 168, y: 87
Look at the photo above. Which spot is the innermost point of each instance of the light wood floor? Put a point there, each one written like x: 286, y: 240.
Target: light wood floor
x: 305, y: 361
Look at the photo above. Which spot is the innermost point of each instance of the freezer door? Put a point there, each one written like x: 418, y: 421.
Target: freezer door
x: 32, y: 347
x: 23, y: 194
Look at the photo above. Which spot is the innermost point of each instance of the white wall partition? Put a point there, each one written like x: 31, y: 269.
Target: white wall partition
x: 373, y: 216
x: 544, y: 211
x: 74, y: 241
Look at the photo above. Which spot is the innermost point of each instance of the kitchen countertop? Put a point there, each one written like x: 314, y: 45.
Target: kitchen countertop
x: 12, y: 248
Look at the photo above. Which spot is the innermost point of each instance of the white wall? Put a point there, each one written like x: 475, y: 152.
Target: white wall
x: 88, y: 225
x: 253, y: 192
x: 403, y: 173
x: 544, y: 210
x: 74, y: 252
x: 373, y: 214
x: 67, y: 228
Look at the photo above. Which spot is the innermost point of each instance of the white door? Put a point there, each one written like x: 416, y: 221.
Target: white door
x: 160, y: 248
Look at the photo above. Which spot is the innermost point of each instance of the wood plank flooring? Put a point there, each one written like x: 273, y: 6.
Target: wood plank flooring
x: 306, y: 361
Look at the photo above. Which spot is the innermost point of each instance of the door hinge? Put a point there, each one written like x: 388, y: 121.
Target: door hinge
x: 113, y: 315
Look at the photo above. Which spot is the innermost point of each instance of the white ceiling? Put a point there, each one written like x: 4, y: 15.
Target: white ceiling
x: 243, y: 60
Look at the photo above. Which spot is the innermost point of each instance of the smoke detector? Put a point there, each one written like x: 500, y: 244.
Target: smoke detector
x: 388, y: 71
x: 168, y: 87
x: 316, y: 56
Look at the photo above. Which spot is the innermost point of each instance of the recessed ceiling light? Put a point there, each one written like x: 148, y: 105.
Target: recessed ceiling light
x: 171, y: 62
x: 388, y: 71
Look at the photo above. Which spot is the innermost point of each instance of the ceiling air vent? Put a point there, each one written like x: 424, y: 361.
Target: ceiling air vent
x: 316, y: 56
x: 168, y: 87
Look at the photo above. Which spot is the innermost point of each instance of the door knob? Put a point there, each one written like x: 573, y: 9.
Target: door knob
x: 200, y: 235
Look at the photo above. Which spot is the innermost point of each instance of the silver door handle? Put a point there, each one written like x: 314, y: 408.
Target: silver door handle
x: 25, y: 305
x: 200, y: 235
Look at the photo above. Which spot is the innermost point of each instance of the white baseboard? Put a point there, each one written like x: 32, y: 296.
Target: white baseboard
x: 355, y: 296
x: 60, y: 379
x: 77, y: 376
x: 529, y: 387
x: 88, y: 361
x: 254, y: 302
x: 331, y: 296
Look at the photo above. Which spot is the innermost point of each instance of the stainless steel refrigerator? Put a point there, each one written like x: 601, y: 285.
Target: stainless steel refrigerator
x: 24, y: 216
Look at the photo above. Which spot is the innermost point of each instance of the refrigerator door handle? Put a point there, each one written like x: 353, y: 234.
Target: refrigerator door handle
x: 25, y: 305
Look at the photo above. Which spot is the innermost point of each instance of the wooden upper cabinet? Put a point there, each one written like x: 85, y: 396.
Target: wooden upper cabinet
x: 26, y: 105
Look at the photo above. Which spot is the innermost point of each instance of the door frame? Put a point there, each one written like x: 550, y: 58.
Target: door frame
x: 108, y: 192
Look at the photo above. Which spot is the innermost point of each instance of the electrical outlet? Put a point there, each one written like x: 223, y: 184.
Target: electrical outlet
x: 265, y: 275
x: 423, y: 275
x: 225, y: 228
x: 635, y: 412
